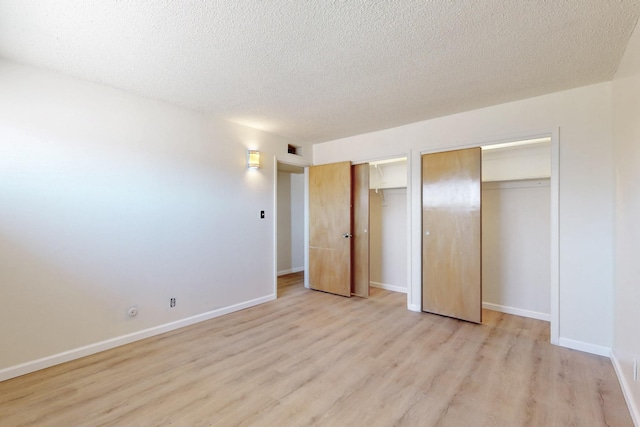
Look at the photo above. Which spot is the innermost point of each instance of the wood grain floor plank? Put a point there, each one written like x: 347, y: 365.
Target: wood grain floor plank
x: 311, y: 358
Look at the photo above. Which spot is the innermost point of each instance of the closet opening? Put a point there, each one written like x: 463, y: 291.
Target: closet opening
x: 388, y: 225
x: 517, y: 228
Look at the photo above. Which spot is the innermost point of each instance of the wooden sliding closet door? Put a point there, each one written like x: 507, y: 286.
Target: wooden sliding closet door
x: 451, y: 245
x: 360, y: 266
x: 330, y: 228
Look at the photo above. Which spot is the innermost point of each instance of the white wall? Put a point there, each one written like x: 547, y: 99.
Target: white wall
x: 290, y: 222
x: 284, y: 223
x: 388, y: 239
x: 626, y: 113
x: 108, y: 200
x: 516, y: 255
x: 583, y: 119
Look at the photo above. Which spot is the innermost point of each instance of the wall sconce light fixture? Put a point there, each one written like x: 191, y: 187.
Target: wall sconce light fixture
x: 253, y: 159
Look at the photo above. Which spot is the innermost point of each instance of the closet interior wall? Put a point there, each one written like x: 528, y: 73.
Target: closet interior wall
x: 388, y: 225
x: 516, y: 229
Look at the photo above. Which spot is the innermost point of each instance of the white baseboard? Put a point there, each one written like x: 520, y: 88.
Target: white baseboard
x: 517, y: 311
x: 599, y: 350
x: 291, y: 270
x: 414, y: 307
x: 626, y: 390
x: 388, y: 287
x: 77, y: 353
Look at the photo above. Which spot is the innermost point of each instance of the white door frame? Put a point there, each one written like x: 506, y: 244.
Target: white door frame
x: 292, y: 162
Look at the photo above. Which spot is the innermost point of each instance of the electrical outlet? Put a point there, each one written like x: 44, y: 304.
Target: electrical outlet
x: 172, y: 302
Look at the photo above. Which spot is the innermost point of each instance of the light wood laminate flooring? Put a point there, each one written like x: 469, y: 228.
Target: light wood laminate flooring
x: 311, y: 358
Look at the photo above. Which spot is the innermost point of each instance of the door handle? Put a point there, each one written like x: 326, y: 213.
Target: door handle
x: 347, y: 235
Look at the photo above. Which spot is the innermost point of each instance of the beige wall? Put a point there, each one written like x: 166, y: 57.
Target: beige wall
x: 290, y: 222
x: 107, y: 201
x: 626, y: 127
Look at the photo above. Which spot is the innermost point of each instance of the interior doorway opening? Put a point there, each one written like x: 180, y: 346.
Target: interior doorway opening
x: 290, y: 190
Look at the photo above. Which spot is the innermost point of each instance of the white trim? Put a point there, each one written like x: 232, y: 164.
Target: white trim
x: 414, y: 207
x: 275, y: 225
x: 600, y: 350
x: 56, y: 359
x: 517, y: 311
x: 306, y: 227
x: 291, y: 270
x: 626, y: 390
x: 410, y: 231
x: 414, y: 307
x: 386, y: 287
x: 554, y: 191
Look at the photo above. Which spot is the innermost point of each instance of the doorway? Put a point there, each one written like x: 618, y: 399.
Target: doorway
x: 290, y: 191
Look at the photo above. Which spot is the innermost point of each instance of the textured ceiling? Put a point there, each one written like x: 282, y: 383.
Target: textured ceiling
x: 318, y: 70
